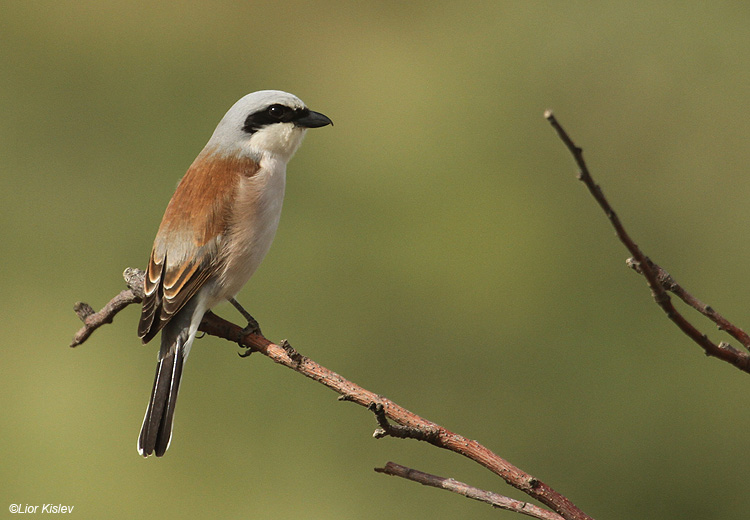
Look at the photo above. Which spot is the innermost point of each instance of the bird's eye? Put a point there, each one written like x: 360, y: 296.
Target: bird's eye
x: 277, y: 111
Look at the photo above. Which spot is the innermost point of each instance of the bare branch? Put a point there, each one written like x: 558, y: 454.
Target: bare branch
x: 409, y: 424
x: 722, y: 351
x: 494, y: 499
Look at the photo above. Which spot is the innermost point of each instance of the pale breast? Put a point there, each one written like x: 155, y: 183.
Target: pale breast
x: 254, y: 219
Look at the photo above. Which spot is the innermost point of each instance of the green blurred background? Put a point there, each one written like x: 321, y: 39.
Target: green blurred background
x: 435, y: 247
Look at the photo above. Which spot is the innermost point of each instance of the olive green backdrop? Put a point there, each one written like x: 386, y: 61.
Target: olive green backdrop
x: 435, y: 247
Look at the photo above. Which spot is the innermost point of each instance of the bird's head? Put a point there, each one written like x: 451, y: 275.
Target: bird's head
x: 265, y: 122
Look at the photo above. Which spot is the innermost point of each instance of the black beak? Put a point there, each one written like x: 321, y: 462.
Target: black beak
x: 313, y: 120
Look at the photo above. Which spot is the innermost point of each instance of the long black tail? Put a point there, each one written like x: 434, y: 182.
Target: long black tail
x: 156, y: 431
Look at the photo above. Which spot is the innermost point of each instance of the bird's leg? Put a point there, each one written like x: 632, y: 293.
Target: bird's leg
x: 252, y: 325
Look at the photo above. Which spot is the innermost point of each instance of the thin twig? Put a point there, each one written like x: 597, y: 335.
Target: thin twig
x: 433, y: 433
x: 722, y: 351
x: 494, y: 499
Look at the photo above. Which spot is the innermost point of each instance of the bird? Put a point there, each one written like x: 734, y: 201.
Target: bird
x: 216, y: 230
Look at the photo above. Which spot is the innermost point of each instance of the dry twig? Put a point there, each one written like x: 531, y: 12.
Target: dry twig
x: 495, y: 500
x: 658, y: 280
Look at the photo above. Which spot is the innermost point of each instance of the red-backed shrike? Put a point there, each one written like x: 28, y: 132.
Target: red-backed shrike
x: 215, y: 232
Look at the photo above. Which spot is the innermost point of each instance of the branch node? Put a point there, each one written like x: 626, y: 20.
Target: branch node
x: 397, y: 430
x: 135, y: 279
x: 83, y: 310
x: 291, y: 352
x: 723, y: 345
